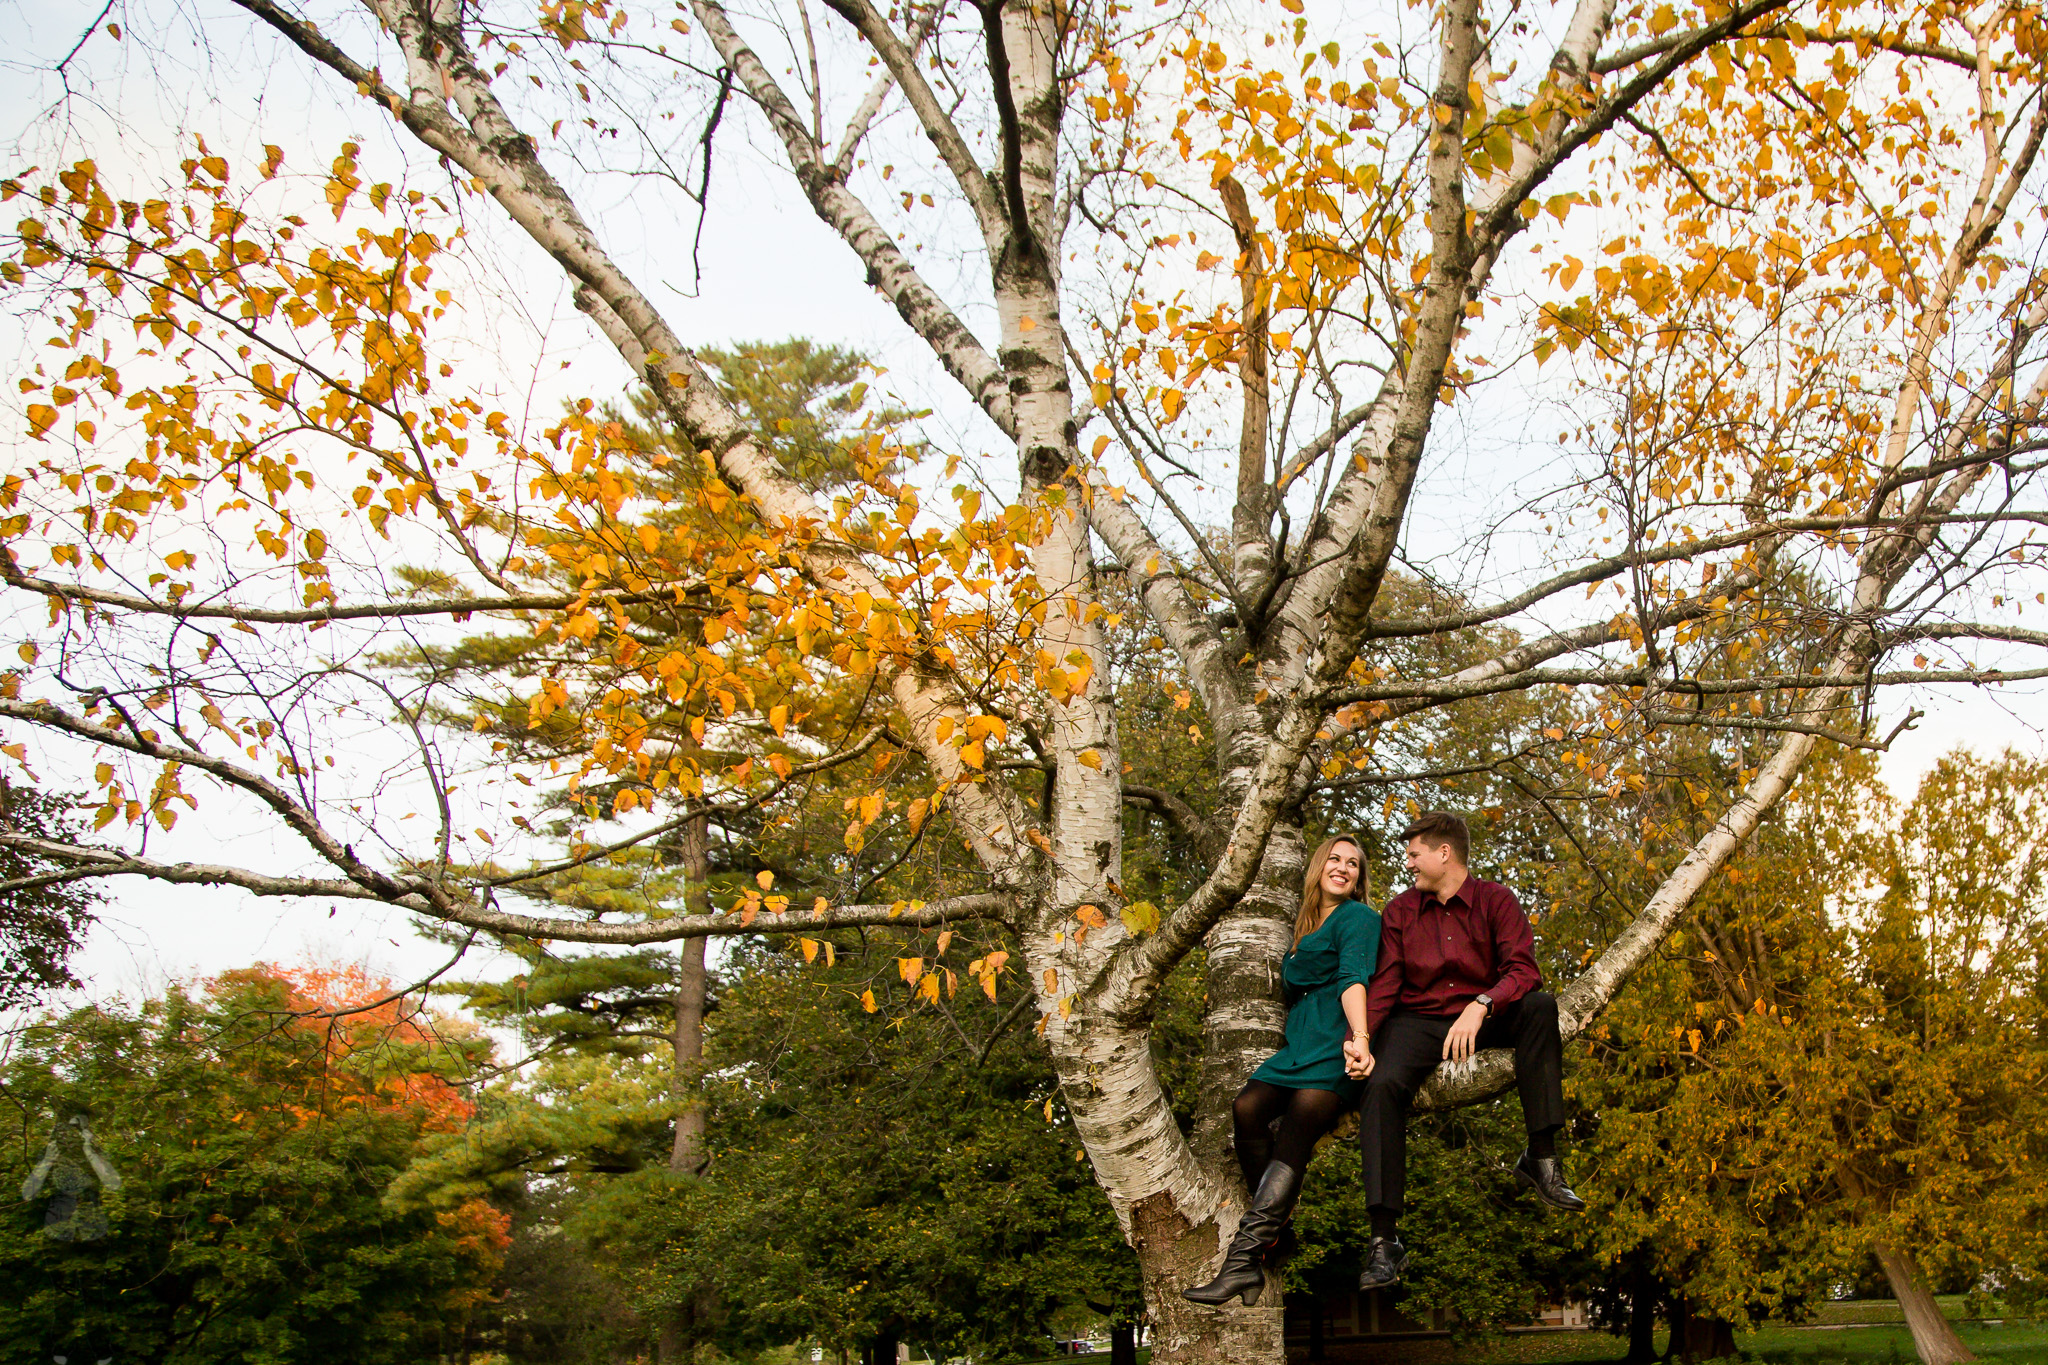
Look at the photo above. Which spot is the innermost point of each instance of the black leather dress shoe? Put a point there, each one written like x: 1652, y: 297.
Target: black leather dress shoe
x: 1545, y: 1175
x: 1384, y: 1268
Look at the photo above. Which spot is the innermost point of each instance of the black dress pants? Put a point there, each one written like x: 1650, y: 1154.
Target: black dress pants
x: 1408, y: 1047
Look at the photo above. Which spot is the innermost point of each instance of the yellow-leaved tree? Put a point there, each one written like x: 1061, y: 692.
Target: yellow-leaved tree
x: 1774, y: 261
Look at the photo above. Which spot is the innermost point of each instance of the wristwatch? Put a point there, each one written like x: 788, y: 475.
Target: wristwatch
x: 1484, y: 999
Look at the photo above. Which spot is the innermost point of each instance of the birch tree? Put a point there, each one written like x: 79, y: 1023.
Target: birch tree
x: 1241, y: 276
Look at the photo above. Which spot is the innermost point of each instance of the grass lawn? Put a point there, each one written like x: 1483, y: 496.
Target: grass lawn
x: 1860, y: 1333
x: 2018, y: 1343
x: 1845, y: 1334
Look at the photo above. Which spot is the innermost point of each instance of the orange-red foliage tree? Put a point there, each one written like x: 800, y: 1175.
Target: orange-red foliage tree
x: 253, y: 1129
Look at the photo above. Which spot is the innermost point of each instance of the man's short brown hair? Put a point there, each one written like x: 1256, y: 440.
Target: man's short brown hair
x: 1436, y: 827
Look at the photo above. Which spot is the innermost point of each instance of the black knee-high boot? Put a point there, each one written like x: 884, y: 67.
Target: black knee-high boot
x: 1244, y: 1265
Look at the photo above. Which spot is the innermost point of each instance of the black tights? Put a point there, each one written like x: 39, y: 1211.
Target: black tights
x: 1304, y: 1116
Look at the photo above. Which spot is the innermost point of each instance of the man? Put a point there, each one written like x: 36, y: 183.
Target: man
x: 1457, y: 972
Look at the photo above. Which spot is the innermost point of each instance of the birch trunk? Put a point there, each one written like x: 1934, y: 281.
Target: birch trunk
x: 1244, y: 1014
x: 1172, y: 1210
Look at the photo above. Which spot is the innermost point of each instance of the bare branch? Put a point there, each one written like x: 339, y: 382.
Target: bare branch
x: 889, y: 270
x: 472, y: 915
x: 900, y: 59
x: 1183, y: 817
x: 457, y: 607
x: 371, y: 881
x: 871, y: 103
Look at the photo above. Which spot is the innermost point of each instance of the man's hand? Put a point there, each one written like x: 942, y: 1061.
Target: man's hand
x: 1463, y: 1038
x: 1357, y: 1059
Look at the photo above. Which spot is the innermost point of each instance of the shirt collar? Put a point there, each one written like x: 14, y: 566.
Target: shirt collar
x: 1462, y: 896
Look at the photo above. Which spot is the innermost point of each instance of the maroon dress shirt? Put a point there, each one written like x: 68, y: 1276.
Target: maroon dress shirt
x: 1436, y: 956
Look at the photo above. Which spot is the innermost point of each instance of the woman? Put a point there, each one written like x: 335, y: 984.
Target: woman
x: 1304, y: 1085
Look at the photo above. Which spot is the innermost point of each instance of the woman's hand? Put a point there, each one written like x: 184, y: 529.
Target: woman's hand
x: 1357, y: 1059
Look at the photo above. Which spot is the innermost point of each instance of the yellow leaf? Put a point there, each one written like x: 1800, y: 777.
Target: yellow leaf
x: 27, y: 653
x: 778, y: 719
x: 911, y: 968
x: 867, y: 1001
x: 1091, y: 759
x: 1140, y: 917
x: 764, y: 879
x: 810, y: 947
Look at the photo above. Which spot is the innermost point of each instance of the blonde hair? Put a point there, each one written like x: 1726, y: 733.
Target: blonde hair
x: 1313, y: 901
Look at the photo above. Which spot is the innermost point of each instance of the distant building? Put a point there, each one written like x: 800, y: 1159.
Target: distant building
x: 1351, y: 1316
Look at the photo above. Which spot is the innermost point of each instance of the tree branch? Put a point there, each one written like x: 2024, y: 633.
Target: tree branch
x: 332, y: 611
x: 1183, y: 817
x: 298, y: 818
x: 900, y: 60
x: 889, y: 270
x: 470, y: 914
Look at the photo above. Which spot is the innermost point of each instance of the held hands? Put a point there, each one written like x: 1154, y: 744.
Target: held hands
x: 1357, y: 1059
x: 1463, y: 1039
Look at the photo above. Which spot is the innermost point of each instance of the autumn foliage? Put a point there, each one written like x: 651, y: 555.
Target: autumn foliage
x: 1675, y: 368
x: 255, y: 1131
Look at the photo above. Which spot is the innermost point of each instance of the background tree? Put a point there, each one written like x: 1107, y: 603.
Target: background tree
x: 45, y: 914
x: 1764, y: 1105
x: 254, y: 1127
x: 1941, y: 1128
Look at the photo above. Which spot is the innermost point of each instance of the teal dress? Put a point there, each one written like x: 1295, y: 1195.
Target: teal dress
x: 1342, y: 952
